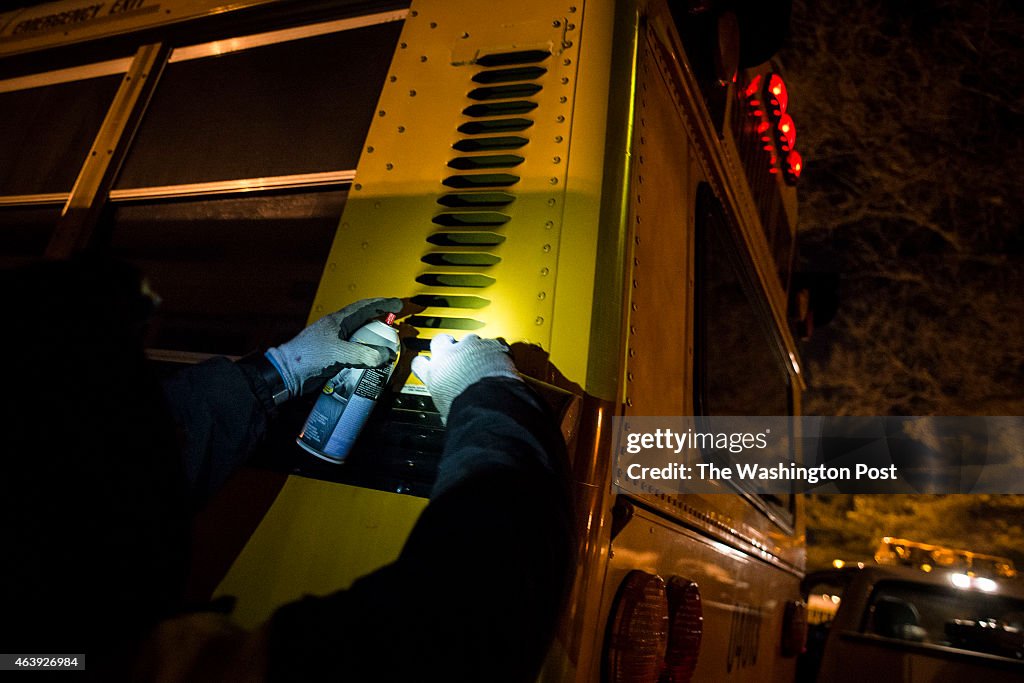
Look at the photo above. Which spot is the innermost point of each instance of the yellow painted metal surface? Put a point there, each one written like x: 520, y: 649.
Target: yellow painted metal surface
x: 317, y: 538
x: 543, y: 275
x: 587, y: 222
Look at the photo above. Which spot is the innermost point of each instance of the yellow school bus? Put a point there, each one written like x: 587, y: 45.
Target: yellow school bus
x: 609, y: 185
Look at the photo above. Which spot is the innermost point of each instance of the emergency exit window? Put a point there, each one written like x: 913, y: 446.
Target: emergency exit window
x: 47, y: 126
x: 234, y: 184
x: 234, y: 274
x: 299, y: 106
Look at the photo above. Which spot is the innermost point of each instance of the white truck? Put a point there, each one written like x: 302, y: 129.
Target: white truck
x: 900, y: 624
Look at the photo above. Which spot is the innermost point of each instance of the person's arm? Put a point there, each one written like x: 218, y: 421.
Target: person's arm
x: 478, y: 588
x: 222, y: 408
x: 221, y: 419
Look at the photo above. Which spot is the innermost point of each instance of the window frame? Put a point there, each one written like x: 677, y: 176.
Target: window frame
x: 710, y: 215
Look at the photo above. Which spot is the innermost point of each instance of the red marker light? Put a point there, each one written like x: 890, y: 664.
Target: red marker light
x: 787, y: 133
x: 778, y: 94
x: 753, y: 86
x: 794, y: 164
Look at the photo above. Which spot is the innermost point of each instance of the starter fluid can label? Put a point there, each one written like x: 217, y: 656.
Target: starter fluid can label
x: 344, y: 406
x: 320, y: 424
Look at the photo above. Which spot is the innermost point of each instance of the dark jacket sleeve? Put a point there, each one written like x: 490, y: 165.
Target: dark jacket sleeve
x: 478, y: 588
x: 221, y: 414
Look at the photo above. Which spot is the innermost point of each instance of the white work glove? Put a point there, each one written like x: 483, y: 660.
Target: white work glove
x: 321, y: 350
x: 453, y: 367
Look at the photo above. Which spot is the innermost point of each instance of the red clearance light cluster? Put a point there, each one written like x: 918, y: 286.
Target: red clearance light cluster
x: 654, y: 631
x: 768, y: 100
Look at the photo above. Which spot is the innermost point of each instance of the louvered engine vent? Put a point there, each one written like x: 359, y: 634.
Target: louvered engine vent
x: 473, y: 215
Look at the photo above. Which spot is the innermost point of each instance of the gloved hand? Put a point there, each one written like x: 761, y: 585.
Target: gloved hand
x: 453, y: 367
x: 320, y: 351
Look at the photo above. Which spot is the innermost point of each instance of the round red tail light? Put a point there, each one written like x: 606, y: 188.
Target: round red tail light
x: 686, y: 627
x: 637, y: 630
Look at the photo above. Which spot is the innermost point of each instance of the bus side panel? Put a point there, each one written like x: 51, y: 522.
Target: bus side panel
x: 743, y: 598
x: 317, y: 538
x: 404, y: 230
x: 671, y: 158
x: 399, y: 237
x: 737, y: 555
x: 659, y: 363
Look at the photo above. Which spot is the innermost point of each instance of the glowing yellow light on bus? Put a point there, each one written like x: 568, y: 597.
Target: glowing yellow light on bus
x: 838, y: 564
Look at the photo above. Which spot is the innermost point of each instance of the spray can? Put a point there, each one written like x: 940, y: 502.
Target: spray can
x: 343, y: 407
